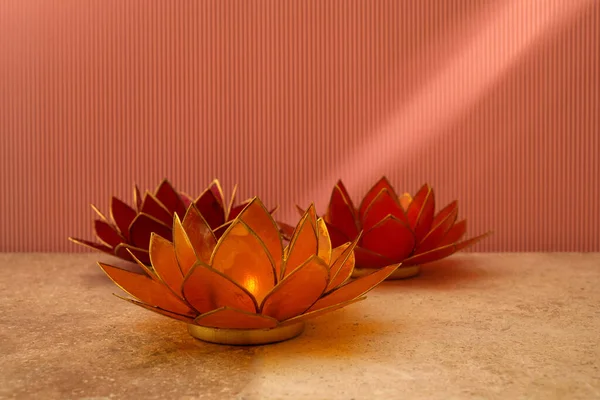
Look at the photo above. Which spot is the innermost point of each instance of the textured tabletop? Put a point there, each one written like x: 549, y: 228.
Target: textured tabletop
x: 484, y: 326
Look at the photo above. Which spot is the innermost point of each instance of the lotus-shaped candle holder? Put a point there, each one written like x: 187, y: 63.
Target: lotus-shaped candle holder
x: 245, y: 287
x: 395, y: 229
x: 129, y: 228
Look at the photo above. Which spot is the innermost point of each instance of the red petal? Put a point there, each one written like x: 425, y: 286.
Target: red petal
x: 444, y: 212
x: 344, y: 191
x: 435, y: 236
x: 122, y: 215
x: 211, y: 208
x: 107, y: 233
x: 354, y: 289
x: 92, y: 245
x: 229, y: 318
x: 286, y: 230
x: 215, y: 188
x: 187, y: 200
x: 383, y: 205
x: 381, y: 184
x: 146, y: 290
x: 142, y: 227
x: 235, y: 211
x: 154, y: 208
x: 367, y: 259
x: 207, y: 289
x: 391, y: 238
x: 455, y: 233
x: 221, y: 229
x: 341, y: 215
x: 122, y: 251
x: 442, y: 252
x: 166, y: 194
x: 421, y: 211
x: 337, y: 238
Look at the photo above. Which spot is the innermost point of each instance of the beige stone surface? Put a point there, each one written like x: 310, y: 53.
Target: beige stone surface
x: 475, y: 326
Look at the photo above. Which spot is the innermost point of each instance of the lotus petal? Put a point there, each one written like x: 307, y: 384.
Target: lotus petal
x: 164, y: 262
x: 368, y: 259
x: 383, y: 204
x: 211, y: 208
x: 143, y: 226
x: 336, y: 237
x: 207, y: 289
x: 236, y: 210
x: 455, y: 233
x: 381, y: 184
x: 217, y: 190
x: 168, y: 196
x: 200, y: 235
x: 258, y: 219
x: 323, y: 242
x: 122, y: 215
x: 421, y: 211
x: 160, y: 311
x: 286, y: 230
x: 298, y: 291
x: 100, y: 215
x: 184, y: 251
x: 390, y: 238
x: 243, y: 257
x: 187, y: 200
x: 146, y: 290
x: 231, y: 202
x: 344, y: 191
x: 125, y: 250
x: 437, y: 233
x: 107, y: 233
x: 92, y: 245
x: 303, y: 245
x: 442, y: 252
x: 354, y: 289
x: 218, y: 232
x: 230, y: 318
x: 342, y: 267
x: 154, y: 208
x: 137, y: 198
x: 317, y: 313
x: 444, y: 212
x: 405, y: 201
x: 341, y: 215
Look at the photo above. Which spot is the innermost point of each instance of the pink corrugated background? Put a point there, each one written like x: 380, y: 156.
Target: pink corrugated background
x: 495, y: 103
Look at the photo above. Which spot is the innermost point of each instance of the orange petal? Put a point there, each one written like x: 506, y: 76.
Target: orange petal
x: 384, y: 204
x: 354, y: 289
x: 455, y: 233
x: 167, y: 195
x: 200, y: 235
x: 184, y: 251
x: 421, y: 210
x: 107, y: 233
x: 156, y: 209
x: 211, y: 208
x: 435, y: 236
x: 207, y: 289
x: 243, y: 257
x: 259, y: 220
x: 229, y: 318
x: 337, y: 238
x: 146, y: 290
x: 298, y: 291
x: 342, y: 267
x: 391, y: 238
x: 92, y: 245
x: 303, y: 245
x: 405, y: 201
x: 367, y: 259
x: 123, y: 251
x: 160, y: 311
x: 317, y: 313
x: 164, y: 262
x: 340, y: 214
x: 323, y: 242
x: 137, y: 198
x: 442, y: 252
x: 122, y: 215
x: 143, y: 226
x: 381, y: 184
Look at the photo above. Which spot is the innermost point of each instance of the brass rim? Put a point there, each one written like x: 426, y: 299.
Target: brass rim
x: 246, y: 337
x: 400, y: 273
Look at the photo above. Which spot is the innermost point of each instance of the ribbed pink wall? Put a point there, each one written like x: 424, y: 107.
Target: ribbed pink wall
x: 495, y: 103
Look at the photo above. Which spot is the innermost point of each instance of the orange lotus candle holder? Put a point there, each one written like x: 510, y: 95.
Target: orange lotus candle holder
x: 395, y: 229
x: 129, y: 228
x: 245, y: 288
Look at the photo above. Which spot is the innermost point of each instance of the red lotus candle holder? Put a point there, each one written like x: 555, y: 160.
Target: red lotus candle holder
x: 245, y: 288
x: 129, y: 228
x: 395, y: 229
